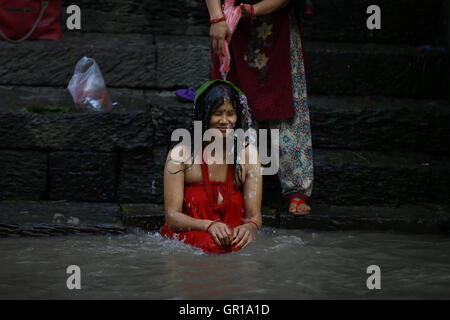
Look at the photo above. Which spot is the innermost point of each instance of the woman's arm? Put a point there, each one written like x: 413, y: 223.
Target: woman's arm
x: 253, y: 186
x: 244, y: 234
x: 173, y: 199
x: 214, y: 9
x: 267, y: 6
x: 219, y: 32
x: 174, y: 174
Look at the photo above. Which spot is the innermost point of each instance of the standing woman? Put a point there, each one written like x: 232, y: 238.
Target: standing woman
x: 214, y: 206
x: 267, y: 63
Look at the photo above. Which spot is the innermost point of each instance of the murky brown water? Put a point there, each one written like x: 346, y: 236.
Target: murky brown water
x: 282, y: 264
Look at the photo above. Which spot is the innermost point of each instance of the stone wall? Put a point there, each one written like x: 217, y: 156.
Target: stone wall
x: 167, y: 62
x: 378, y: 103
x: 120, y: 156
x: 403, y: 21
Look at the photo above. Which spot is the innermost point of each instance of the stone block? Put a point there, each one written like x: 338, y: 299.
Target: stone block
x: 82, y: 176
x: 142, y: 176
x: 59, y: 212
x: 373, y: 69
x: 432, y: 219
x: 128, y: 100
x: 58, y: 218
x: 101, y: 132
x: 23, y: 175
x: 18, y: 98
x: 440, y: 181
x: 124, y: 60
x: 133, y: 61
x: 365, y: 178
x: 182, y: 61
x: 168, y: 114
x: 147, y: 216
x: 402, y: 21
x: 380, y: 123
x: 185, y: 17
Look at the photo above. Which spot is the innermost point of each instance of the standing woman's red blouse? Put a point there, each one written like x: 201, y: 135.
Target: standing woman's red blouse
x: 200, y: 202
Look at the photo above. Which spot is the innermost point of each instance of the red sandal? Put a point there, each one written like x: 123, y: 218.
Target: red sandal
x: 297, y: 202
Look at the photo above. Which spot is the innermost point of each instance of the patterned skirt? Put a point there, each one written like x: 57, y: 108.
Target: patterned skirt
x: 296, y: 172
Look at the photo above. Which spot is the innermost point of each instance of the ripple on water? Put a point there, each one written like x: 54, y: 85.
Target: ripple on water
x: 281, y: 264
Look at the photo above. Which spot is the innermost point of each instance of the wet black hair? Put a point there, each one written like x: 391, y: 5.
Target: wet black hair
x: 209, y: 101
x: 212, y: 99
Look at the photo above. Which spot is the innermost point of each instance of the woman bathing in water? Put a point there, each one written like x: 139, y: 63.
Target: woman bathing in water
x: 216, y: 206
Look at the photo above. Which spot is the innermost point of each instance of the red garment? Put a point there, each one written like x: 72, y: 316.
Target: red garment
x: 261, y: 66
x: 233, y: 14
x: 17, y: 19
x: 200, y: 202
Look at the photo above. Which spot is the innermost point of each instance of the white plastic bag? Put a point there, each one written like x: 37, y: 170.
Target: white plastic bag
x: 87, y: 87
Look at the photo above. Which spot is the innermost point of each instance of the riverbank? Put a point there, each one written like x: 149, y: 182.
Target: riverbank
x: 379, y: 120
x: 57, y: 218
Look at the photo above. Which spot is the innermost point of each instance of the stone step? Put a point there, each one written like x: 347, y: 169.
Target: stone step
x: 342, y: 177
x: 402, y: 21
x: 137, y: 61
x: 43, y: 218
x: 16, y: 99
x: 426, y: 218
x: 338, y: 122
x: 125, y: 60
x: 59, y: 218
x: 380, y: 124
x: 349, y: 123
x: 408, y: 218
x: 371, y: 69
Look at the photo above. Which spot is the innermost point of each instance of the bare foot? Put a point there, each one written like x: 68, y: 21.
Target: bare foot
x: 303, y: 209
x: 298, y: 207
x: 292, y: 207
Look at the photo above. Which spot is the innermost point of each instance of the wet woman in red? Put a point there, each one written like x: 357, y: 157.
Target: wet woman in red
x: 214, y: 206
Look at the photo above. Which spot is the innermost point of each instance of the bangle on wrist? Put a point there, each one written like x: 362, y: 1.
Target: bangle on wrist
x: 209, y: 226
x: 251, y: 10
x: 212, y: 21
x: 250, y: 221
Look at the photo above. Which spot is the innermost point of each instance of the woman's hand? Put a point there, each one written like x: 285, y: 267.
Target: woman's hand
x: 247, y: 10
x: 221, y: 234
x: 263, y: 7
x: 243, y: 235
x: 219, y: 32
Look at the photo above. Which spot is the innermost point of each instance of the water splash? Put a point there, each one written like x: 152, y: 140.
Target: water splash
x: 246, y: 110
x: 224, y: 75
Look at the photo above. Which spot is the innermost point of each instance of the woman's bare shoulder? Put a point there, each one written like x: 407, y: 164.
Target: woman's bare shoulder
x: 179, y: 155
x: 176, y: 160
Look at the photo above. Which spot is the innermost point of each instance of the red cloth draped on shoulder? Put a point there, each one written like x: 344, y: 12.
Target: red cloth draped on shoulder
x: 200, y: 202
x: 260, y: 64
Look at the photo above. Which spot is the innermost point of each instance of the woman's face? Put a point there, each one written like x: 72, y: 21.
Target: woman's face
x: 223, y: 118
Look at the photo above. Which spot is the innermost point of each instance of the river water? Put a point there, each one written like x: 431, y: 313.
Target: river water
x: 281, y: 264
